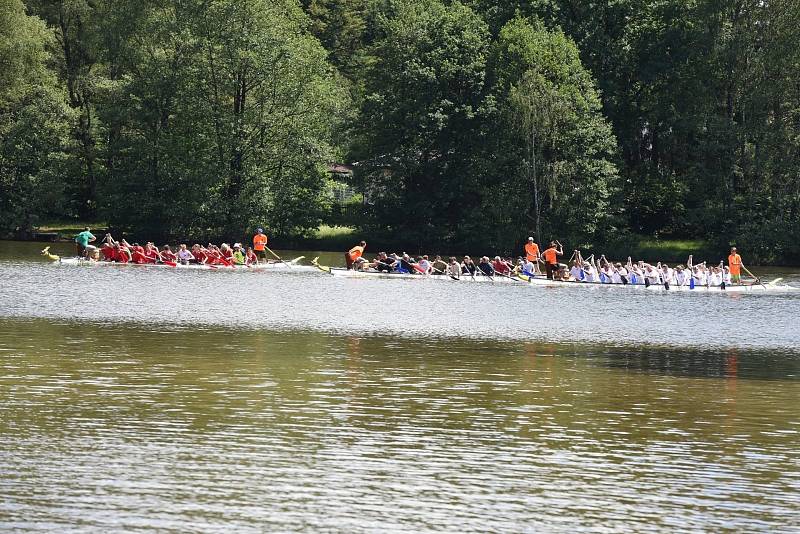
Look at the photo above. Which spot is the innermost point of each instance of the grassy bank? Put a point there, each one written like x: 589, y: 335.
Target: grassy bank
x: 328, y: 238
x: 67, y: 229
x: 672, y: 250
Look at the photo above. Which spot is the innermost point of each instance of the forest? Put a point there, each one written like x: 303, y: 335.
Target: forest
x: 466, y: 124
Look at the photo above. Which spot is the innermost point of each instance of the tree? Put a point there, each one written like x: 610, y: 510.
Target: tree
x: 33, y: 123
x: 226, y: 115
x: 75, y: 56
x: 342, y: 27
x: 558, y: 149
x: 421, y: 118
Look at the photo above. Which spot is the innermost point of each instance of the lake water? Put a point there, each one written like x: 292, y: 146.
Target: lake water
x: 194, y: 401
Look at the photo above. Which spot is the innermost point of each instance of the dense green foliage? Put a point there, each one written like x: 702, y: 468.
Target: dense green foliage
x: 34, y: 122
x: 472, y: 123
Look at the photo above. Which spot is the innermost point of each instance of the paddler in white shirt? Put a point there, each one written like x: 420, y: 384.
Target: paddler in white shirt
x: 525, y: 267
x: 681, y: 278
x: 454, y: 268
x: 604, y: 270
x: 699, y: 275
x: 666, y: 274
x: 651, y: 275
x: 576, y: 271
x: 726, y: 275
x: 715, y: 277
x: 622, y: 273
x: 635, y: 273
x: 589, y: 273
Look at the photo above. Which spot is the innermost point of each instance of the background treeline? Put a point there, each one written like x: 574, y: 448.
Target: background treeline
x: 469, y: 123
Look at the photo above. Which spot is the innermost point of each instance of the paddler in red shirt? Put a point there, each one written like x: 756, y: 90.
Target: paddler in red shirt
x: 213, y: 257
x: 251, y: 258
x: 121, y: 253
x: 500, y: 267
x: 107, y: 249
x: 137, y: 252
x: 226, y: 254
x: 200, y: 254
x: 216, y: 255
x: 151, y: 253
x: 167, y: 255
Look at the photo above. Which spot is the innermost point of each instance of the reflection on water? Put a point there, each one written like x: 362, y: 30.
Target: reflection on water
x: 115, y: 426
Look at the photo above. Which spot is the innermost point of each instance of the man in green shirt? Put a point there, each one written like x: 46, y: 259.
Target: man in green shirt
x: 82, y: 241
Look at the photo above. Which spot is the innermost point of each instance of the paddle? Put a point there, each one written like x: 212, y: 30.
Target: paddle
x: 471, y: 272
x: 478, y: 269
x: 520, y: 280
x: 451, y: 275
x: 758, y: 280
x: 277, y: 257
x: 504, y: 275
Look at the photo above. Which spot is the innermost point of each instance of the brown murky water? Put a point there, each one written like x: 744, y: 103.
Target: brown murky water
x: 209, y: 402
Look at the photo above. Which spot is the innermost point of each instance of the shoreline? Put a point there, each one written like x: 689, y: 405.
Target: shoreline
x: 321, y: 245
x: 340, y: 239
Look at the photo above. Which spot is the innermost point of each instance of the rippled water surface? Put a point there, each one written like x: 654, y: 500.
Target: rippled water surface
x: 137, y: 399
x: 409, y: 308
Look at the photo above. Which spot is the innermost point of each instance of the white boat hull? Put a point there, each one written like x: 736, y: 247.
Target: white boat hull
x: 408, y: 276
x: 271, y: 266
x: 729, y: 288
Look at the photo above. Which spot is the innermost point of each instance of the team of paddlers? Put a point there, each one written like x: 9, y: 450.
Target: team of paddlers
x: 577, y: 269
x: 121, y: 251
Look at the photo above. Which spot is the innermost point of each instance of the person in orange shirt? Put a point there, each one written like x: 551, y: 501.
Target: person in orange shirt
x: 735, y: 266
x: 532, y: 254
x: 353, y: 255
x: 260, y: 243
x: 551, y: 258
